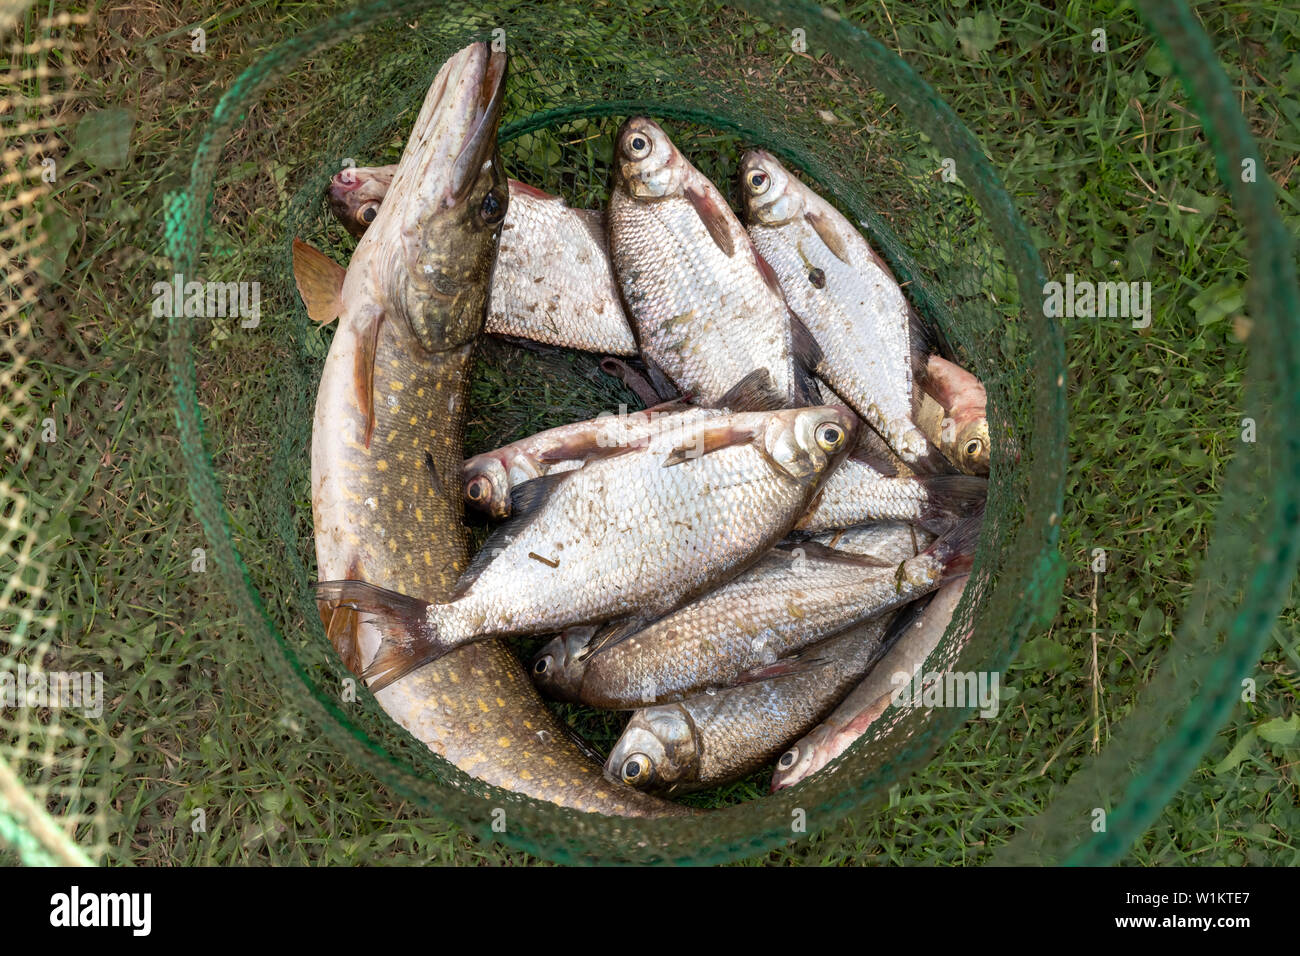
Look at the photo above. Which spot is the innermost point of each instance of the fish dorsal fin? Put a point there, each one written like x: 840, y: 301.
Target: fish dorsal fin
x: 320, y: 282
x: 712, y: 435
x: 526, y: 501
x: 753, y: 393
x: 715, y: 215
x: 820, y: 552
x: 825, y: 229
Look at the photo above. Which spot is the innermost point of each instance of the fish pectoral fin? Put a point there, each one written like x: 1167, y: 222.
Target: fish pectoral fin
x: 526, y: 501
x: 787, y: 667
x: 867, y: 716
x: 407, y: 639
x: 806, y: 350
x: 363, y: 369
x: 820, y: 552
x: 320, y: 282
x: 753, y: 393
x: 613, y: 633
x: 825, y: 229
x: 715, y: 215
x: 709, y: 436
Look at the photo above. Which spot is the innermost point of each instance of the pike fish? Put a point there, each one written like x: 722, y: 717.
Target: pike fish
x: 386, y: 442
x: 795, y: 595
x: 553, y: 283
x: 845, y: 295
x: 953, y: 415
x: 705, y: 307
x: 857, y: 493
x: 631, y: 535
x: 720, y: 737
x: 869, y: 701
x: 490, y: 476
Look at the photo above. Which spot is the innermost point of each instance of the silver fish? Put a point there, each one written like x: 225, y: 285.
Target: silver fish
x: 793, y: 596
x: 716, y: 738
x: 844, y: 294
x: 872, y: 698
x: 553, y: 282
x: 707, y: 310
x: 631, y: 535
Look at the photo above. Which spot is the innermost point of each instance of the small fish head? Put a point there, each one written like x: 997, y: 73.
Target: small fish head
x: 355, y: 194
x: 453, y: 204
x: 769, y: 192
x: 657, y: 750
x: 558, y: 668
x: 807, y: 442
x: 487, y: 486
x: 970, y: 449
x: 648, y: 164
x: 797, y: 762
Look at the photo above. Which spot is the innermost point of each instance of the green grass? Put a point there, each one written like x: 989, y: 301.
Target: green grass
x: 1098, y: 152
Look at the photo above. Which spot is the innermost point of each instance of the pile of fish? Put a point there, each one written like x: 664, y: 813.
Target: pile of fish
x: 743, y: 566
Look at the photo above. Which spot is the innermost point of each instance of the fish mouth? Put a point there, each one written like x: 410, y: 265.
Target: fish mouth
x: 480, y: 141
x: 454, y: 136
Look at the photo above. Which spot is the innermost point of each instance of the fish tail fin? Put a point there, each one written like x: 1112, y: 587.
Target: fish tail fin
x: 407, y: 638
x: 341, y: 627
x: 956, y: 548
x: 950, y: 499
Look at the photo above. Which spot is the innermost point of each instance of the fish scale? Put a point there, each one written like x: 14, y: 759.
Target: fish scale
x: 840, y: 288
x: 792, y: 597
x: 675, y: 531
x: 705, y: 316
x: 712, y: 739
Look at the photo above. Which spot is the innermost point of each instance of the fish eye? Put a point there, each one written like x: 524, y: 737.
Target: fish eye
x: 493, y: 209
x: 829, y: 436
x: 758, y: 182
x: 478, y: 489
x: 788, y: 758
x: 542, y: 665
x: 636, y: 769
x: 973, y: 447
x: 368, y: 212
x: 817, y: 278
x: 637, y: 146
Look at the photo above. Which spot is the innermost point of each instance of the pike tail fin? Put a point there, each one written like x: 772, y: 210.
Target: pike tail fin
x: 407, y: 639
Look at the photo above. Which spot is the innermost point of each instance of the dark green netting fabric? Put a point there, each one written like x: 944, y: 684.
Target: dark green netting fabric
x: 958, y: 247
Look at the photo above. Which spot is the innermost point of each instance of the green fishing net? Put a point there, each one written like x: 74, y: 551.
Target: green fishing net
x: 957, y: 246
x: 871, y: 136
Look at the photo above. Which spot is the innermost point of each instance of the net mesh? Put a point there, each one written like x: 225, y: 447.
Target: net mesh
x: 870, y: 136
x: 46, y: 812
x: 565, y: 97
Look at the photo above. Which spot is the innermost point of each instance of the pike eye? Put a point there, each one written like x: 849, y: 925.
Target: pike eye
x: 829, y: 437
x: 638, y: 146
x: 788, y: 758
x: 758, y: 182
x: 493, y: 209
x: 368, y: 212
